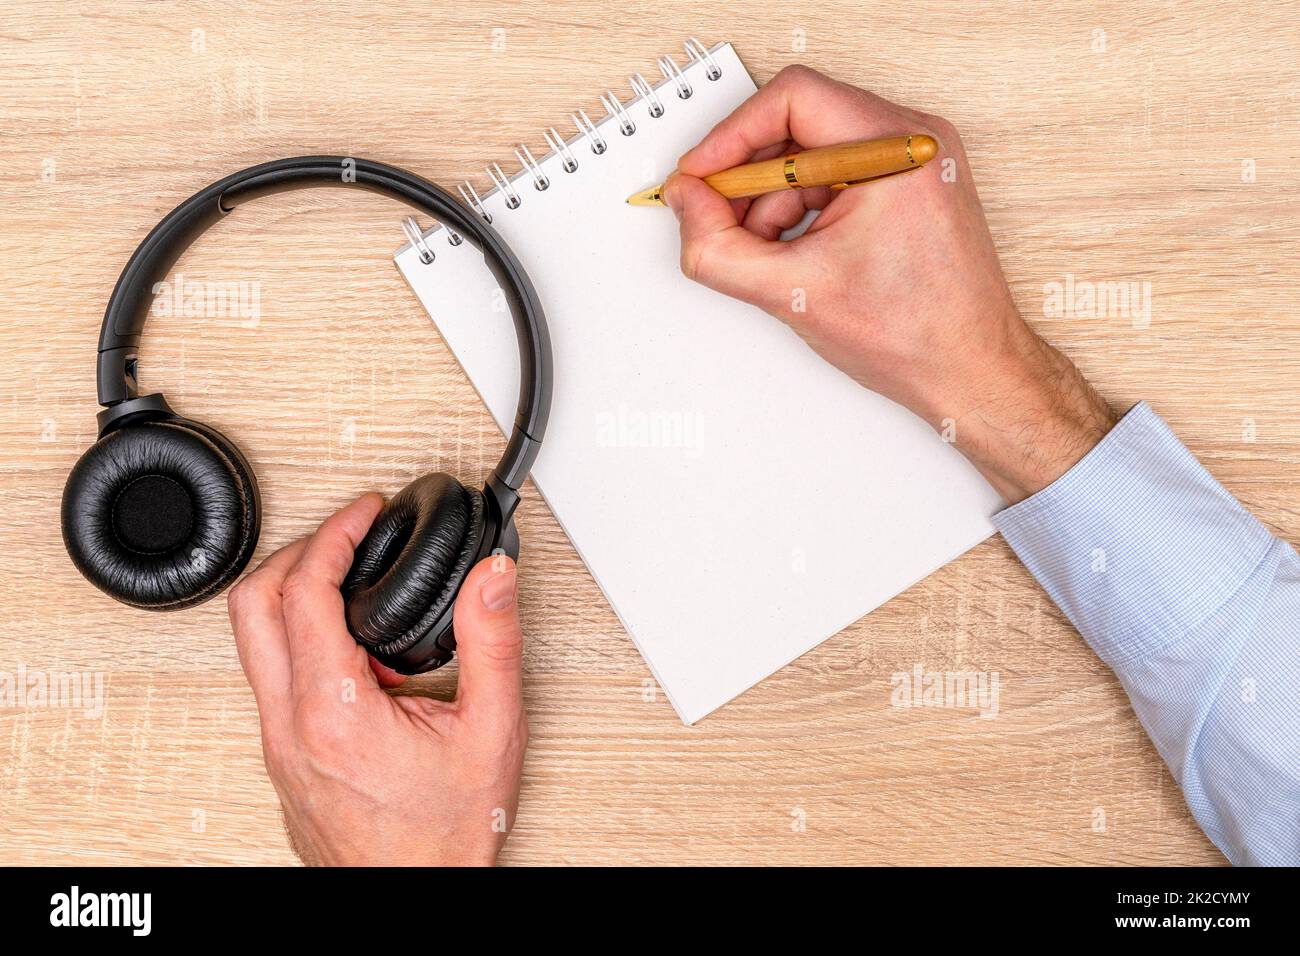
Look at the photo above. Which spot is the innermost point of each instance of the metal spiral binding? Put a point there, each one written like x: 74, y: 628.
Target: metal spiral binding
x: 671, y: 71
x: 615, y: 109
x: 525, y: 156
x: 696, y: 51
x: 588, y: 129
x: 560, y: 148
x: 472, y: 200
x: 502, y: 182
x: 418, y: 239
x: 644, y: 90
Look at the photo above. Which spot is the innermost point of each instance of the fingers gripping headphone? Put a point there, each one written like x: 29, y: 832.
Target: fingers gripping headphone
x: 163, y: 512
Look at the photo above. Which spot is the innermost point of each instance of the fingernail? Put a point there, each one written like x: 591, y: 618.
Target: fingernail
x: 498, y: 591
x: 673, y: 197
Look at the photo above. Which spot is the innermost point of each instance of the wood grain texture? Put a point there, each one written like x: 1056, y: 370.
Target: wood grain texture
x: 1115, y: 163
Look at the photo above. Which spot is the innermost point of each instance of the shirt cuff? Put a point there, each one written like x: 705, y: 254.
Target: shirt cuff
x: 1136, y: 543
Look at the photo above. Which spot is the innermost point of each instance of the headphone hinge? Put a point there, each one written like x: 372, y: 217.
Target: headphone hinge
x: 132, y: 410
x: 502, y: 500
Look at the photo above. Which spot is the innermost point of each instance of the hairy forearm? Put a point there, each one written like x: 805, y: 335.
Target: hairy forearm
x: 1026, y: 417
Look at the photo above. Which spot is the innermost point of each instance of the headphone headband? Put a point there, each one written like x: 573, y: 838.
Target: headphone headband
x: 128, y: 308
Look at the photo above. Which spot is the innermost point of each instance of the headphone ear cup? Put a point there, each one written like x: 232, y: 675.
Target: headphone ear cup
x: 410, y: 565
x: 161, y: 514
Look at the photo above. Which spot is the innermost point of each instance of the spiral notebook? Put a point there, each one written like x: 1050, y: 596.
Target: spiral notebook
x: 737, y: 500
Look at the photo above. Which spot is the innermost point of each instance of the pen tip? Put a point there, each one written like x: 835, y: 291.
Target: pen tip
x: 648, y: 197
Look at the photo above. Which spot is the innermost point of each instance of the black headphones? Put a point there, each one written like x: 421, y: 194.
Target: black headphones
x: 163, y: 512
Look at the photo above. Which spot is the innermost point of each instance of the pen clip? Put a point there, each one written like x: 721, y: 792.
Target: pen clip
x: 867, y: 179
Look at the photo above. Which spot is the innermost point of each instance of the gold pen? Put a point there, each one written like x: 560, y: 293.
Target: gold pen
x: 838, y: 167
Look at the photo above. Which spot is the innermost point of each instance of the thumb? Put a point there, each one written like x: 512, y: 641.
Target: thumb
x: 716, y: 250
x: 489, y: 640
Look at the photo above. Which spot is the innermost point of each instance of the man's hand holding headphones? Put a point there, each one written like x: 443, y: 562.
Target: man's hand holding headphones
x: 365, y: 777
x: 163, y: 512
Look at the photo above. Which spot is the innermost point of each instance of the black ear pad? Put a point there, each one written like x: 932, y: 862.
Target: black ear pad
x: 161, y: 514
x: 412, y: 562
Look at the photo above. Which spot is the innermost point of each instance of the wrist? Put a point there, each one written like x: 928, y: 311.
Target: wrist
x: 1026, y: 416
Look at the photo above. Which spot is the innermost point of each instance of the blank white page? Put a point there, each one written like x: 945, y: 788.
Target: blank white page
x: 737, y: 499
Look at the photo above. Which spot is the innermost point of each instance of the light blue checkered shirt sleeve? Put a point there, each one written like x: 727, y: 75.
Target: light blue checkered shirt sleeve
x: 1197, y: 608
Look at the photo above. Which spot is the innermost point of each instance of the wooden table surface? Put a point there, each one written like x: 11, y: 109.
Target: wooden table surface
x: 1117, y: 141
